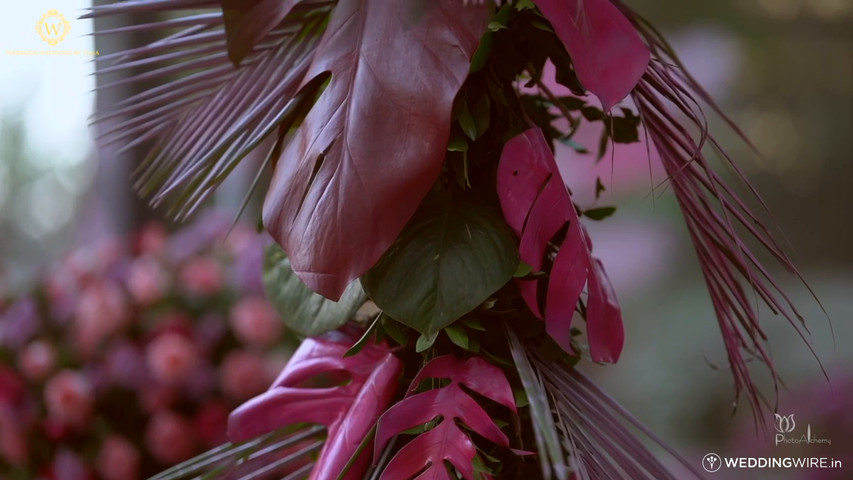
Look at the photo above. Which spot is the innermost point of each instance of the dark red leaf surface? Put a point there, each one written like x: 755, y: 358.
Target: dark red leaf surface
x: 607, y: 52
x: 349, y: 411
x: 449, y: 404
x: 537, y: 206
x: 373, y: 144
x: 249, y: 21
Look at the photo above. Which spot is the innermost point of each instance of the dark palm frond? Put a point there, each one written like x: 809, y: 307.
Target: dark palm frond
x: 285, y: 453
x: 599, y: 437
x: 200, y: 113
x: 666, y: 96
x: 552, y: 457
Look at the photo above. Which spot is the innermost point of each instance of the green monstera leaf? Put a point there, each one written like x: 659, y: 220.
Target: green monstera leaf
x: 452, y: 255
x: 304, y: 311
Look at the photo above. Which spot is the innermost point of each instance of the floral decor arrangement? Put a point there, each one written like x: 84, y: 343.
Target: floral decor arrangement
x: 128, y: 356
x: 410, y: 145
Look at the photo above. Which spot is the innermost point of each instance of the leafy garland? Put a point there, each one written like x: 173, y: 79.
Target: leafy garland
x: 411, y: 145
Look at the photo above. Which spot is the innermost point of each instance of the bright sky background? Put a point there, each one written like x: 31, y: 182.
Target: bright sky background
x: 55, y: 91
x: 53, y: 96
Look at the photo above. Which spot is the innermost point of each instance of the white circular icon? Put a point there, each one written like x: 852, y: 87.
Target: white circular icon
x: 712, y: 462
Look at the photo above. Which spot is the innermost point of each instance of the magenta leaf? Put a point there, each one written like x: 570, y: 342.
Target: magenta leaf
x: 607, y: 52
x: 446, y: 405
x: 537, y: 206
x: 349, y: 410
x: 373, y: 144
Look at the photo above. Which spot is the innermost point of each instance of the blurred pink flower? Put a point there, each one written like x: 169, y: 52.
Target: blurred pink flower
x: 255, y: 322
x: 152, y: 239
x: 56, y: 431
x: 69, y: 399
x: 95, y: 260
x: 37, y: 360
x: 67, y: 465
x: 210, y: 423
x: 244, y: 374
x: 11, y: 387
x: 202, y: 276
x: 147, y: 282
x: 19, y: 322
x: 209, y: 331
x: 170, y: 438
x: 13, y: 443
x: 240, y: 239
x: 125, y: 365
x: 156, y: 397
x: 118, y: 459
x: 276, y: 361
x: 62, y: 291
x: 102, y: 312
x: 171, y: 357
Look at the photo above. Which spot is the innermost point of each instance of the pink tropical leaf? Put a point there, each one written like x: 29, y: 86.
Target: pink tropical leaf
x: 348, y: 410
x: 537, y: 206
x: 446, y: 441
x: 607, y: 52
x: 373, y: 144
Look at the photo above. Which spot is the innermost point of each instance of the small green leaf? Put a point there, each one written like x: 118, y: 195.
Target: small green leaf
x: 393, y: 329
x: 542, y: 26
x: 466, y: 119
x: 370, y: 332
x: 457, y: 335
x: 481, y: 110
x: 592, y: 114
x: 524, y: 5
x: 495, y: 26
x: 521, y: 399
x: 473, y: 324
x: 599, y: 187
x: 523, y: 270
x: 599, y: 213
x: 457, y: 141
x: 425, y: 342
x: 484, y: 50
x: 626, y: 129
x: 603, y: 143
x: 572, y: 103
x: 302, y: 310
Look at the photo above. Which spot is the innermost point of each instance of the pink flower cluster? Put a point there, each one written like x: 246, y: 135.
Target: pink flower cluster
x: 128, y: 356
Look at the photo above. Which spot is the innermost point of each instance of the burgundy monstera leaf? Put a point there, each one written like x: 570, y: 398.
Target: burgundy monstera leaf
x: 247, y: 22
x: 352, y: 172
x: 373, y: 144
x: 607, y: 52
x: 537, y: 206
x: 348, y: 410
x: 446, y: 441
